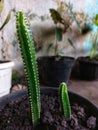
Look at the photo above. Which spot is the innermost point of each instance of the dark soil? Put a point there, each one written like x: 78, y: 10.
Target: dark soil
x: 16, y: 116
x: 88, y: 59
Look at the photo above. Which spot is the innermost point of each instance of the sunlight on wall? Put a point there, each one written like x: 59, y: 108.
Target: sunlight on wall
x: 91, y: 7
x: 87, y: 45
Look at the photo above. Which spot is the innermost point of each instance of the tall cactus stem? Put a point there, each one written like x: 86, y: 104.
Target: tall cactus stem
x: 27, y: 49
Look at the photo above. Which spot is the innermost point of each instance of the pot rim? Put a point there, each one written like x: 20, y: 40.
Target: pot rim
x: 17, y: 94
x: 6, y: 64
x: 84, y: 59
x: 53, y: 57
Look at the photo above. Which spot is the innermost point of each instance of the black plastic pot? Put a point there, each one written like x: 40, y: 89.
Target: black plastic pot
x: 54, y: 70
x: 74, y: 98
x: 88, y: 68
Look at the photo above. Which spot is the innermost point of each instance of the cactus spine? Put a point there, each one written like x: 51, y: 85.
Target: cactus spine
x: 29, y: 59
x: 64, y: 100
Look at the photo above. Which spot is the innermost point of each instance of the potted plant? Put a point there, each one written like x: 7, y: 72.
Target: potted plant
x: 51, y: 113
x: 5, y: 65
x: 89, y: 64
x: 57, y: 68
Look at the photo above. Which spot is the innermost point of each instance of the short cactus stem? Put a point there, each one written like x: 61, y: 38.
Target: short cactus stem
x: 64, y: 100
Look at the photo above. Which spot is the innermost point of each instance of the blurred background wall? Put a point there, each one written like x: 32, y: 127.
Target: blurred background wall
x: 42, y: 28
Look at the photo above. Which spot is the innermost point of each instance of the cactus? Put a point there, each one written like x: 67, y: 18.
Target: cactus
x: 64, y: 100
x: 26, y: 44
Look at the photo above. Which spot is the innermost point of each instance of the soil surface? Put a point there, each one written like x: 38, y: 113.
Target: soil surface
x: 16, y: 116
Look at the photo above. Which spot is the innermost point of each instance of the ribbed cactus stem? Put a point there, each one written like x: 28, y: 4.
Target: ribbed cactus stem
x: 64, y: 100
x: 30, y: 65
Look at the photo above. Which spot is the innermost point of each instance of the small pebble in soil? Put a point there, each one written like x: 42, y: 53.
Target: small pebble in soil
x: 91, y: 122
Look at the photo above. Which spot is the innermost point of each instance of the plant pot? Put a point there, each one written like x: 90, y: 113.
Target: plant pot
x: 22, y: 115
x: 5, y: 77
x: 88, y: 68
x: 54, y: 70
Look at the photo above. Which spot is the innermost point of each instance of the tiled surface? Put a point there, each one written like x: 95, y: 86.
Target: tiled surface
x: 88, y: 89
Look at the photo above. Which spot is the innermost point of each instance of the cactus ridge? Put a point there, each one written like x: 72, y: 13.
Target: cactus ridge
x: 27, y: 49
x: 64, y: 100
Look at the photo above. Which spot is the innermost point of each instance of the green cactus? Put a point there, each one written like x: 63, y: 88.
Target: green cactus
x: 64, y: 100
x: 29, y: 59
